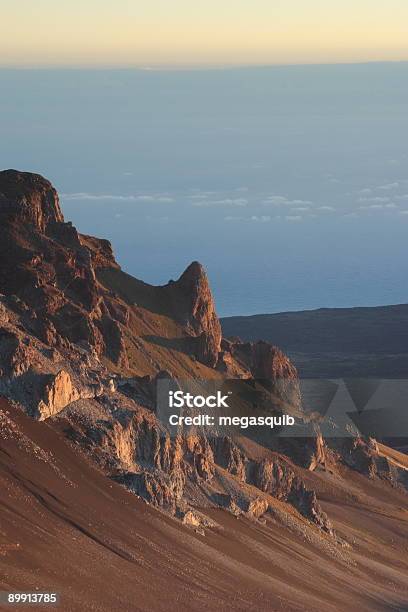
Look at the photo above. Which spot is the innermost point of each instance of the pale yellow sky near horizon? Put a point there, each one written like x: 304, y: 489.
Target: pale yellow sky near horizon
x: 212, y: 32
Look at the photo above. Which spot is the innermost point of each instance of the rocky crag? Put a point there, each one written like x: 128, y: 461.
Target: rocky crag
x: 82, y: 345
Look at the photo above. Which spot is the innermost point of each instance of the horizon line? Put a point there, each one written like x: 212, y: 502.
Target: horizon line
x: 192, y: 67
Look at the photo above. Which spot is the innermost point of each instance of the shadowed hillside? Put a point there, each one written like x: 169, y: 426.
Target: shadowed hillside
x: 334, y: 342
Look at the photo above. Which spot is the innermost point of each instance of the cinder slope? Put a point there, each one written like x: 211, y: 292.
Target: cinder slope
x: 64, y: 527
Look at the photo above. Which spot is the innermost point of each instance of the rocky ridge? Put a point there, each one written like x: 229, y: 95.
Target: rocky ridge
x: 82, y: 345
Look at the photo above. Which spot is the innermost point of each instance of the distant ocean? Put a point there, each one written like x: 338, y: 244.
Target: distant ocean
x: 290, y: 184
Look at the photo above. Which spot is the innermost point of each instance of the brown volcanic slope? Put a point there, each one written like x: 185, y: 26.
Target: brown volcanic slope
x: 65, y: 527
x: 251, y: 522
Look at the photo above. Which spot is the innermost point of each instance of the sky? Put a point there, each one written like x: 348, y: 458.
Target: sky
x: 289, y: 184
x: 153, y: 33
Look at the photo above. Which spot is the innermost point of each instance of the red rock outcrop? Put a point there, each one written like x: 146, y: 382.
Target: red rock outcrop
x: 156, y: 488
x: 194, y: 307
x: 278, y: 478
x: 28, y: 198
x: 58, y: 393
x: 257, y: 507
x: 46, y: 263
x: 14, y: 355
x: 229, y: 456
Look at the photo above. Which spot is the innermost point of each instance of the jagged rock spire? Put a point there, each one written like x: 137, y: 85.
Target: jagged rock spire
x: 194, y: 306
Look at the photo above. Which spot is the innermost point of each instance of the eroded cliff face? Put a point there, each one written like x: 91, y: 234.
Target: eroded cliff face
x: 86, y: 355
x: 173, y: 473
x: 48, y: 269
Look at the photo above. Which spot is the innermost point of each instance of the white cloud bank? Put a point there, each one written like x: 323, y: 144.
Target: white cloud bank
x: 115, y: 197
x: 240, y: 202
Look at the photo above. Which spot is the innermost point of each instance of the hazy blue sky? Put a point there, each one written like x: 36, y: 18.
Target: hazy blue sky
x: 289, y: 184
x: 183, y: 32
